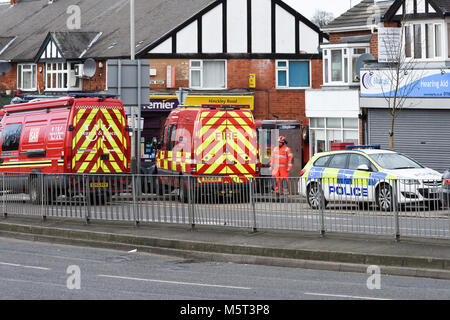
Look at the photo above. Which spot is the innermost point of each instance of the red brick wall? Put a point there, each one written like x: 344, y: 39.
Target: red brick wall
x: 336, y: 37
x: 97, y: 83
x: 181, y: 73
x: 269, y: 101
x: 8, y: 80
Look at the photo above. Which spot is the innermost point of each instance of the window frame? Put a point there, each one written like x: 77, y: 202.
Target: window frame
x: 347, y: 56
x: 326, y: 129
x: 66, y: 69
x: 20, y: 76
x: 286, y: 68
x: 425, y: 27
x: 16, y: 145
x: 201, y: 70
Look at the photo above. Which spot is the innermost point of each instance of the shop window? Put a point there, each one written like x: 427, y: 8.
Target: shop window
x: 11, y: 137
x: 26, y: 77
x: 292, y: 74
x: 325, y: 131
x: 207, y: 74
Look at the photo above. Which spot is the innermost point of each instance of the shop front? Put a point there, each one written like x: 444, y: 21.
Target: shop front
x: 333, y: 118
x: 160, y: 106
x: 421, y: 123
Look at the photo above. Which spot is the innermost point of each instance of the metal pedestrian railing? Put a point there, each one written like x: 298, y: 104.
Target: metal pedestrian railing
x: 398, y: 208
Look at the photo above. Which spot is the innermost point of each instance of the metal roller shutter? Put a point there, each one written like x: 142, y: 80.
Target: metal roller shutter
x: 420, y: 134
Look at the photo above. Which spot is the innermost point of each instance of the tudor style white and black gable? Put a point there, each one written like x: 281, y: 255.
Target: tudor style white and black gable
x: 427, y: 28
x: 63, y: 53
x: 417, y: 9
x: 240, y: 28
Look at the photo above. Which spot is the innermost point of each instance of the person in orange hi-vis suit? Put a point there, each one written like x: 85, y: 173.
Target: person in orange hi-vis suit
x: 281, y: 162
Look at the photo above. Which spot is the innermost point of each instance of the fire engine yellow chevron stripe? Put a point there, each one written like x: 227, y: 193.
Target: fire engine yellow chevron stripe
x: 116, y: 131
x: 245, y: 141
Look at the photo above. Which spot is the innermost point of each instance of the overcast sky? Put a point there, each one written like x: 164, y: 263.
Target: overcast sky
x: 308, y: 7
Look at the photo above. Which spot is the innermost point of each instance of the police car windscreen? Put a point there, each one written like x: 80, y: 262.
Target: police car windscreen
x: 394, y: 161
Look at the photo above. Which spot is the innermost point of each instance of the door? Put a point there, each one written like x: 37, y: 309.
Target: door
x: 210, y: 143
x: 99, y: 142
x: 241, y: 149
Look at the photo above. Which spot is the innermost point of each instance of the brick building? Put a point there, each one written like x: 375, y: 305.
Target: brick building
x: 334, y: 110
x: 260, y: 52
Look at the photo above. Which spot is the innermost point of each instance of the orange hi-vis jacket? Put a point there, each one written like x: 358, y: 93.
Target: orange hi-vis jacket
x: 281, y: 161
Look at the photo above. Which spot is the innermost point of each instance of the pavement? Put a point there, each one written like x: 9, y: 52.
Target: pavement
x: 428, y: 258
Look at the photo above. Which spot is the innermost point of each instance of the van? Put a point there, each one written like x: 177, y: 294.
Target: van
x: 214, y: 144
x: 79, y: 134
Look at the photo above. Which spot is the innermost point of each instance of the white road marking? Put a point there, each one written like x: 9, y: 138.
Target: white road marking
x: 173, y: 282
x: 342, y: 296
x: 23, y: 266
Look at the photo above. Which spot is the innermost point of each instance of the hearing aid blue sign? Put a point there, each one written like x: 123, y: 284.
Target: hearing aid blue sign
x: 414, y: 83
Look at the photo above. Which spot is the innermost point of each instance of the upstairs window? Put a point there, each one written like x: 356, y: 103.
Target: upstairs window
x: 292, y: 74
x: 207, y: 74
x: 340, y: 65
x: 424, y: 41
x: 63, y: 77
x: 26, y: 77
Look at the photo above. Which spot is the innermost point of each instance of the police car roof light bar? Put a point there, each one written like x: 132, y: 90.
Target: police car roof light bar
x: 377, y: 146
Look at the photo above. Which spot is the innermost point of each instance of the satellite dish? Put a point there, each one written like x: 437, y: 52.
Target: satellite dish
x: 5, y: 67
x: 89, y: 68
x: 367, y: 57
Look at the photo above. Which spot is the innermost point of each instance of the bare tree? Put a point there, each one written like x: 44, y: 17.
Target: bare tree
x: 399, y: 75
x: 322, y: 18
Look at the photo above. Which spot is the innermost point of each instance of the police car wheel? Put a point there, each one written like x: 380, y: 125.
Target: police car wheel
x: 384, y: 198
x: 314, y: 197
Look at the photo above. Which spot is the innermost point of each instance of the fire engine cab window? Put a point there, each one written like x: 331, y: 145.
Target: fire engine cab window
x: 171, y: 133
x: 11, y: 137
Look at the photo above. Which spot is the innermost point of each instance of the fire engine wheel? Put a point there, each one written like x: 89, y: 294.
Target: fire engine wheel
x: 384, y: 198
x: 315, y: 197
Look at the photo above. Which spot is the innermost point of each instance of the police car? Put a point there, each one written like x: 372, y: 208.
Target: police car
x: 367, y: 174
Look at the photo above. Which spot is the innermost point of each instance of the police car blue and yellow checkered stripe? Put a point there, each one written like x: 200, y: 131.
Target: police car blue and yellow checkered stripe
x: 344, y: 176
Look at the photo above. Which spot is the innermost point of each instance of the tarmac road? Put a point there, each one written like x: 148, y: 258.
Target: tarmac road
x: 30, y: 270
x: 293, y: 214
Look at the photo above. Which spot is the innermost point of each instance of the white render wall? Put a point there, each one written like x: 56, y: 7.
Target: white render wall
x: 285, y: 31
x: 237, y: 26
x: 332, y: 103
x: 237, y: 33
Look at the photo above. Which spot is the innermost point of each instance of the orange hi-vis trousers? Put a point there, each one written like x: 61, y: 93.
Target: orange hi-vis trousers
x: 281, y: 161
